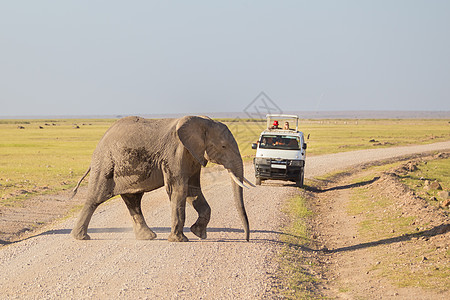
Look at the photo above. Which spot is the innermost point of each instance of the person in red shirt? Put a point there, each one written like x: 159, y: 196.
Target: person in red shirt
x: 275, y: 125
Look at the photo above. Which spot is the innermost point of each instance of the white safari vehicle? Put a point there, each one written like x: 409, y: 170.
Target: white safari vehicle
x: 280, y: 150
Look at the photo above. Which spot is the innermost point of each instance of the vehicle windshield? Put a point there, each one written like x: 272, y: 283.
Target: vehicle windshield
x: 284, y: 142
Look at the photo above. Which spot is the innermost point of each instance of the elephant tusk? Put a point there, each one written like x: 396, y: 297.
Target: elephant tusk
x: 237, y: 180
x: 248, y: 181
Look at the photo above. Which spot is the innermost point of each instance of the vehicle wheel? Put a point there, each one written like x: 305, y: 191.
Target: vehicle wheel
x: 301, y: 178
x: 258, y: 181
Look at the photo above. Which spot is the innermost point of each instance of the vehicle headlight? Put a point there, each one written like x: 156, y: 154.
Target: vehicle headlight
x: 262, y: 161
x: 296, y: 163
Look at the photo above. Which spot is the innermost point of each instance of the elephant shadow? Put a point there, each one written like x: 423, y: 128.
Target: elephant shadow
x: 167, y: 230
x: 126, y: 229
x: 157, y: 230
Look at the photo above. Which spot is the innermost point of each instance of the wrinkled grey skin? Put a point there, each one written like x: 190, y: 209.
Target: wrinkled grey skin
x: 138, y: 155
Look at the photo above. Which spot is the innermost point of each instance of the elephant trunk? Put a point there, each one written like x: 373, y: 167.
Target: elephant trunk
x: 238, y: 171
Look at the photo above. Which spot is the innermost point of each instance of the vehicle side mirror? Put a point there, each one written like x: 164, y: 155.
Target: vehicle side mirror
x: 304, y: 146
x: 254, y: 146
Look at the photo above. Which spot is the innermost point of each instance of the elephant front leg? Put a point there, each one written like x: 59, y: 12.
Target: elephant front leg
x: 178, y: 204
x: 203, y: 209
x: 140, y: 228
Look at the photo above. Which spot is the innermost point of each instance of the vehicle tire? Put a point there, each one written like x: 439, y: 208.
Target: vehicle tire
x: 258, y: 181
x: 301, y: 178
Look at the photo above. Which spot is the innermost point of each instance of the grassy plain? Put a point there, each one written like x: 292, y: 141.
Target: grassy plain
x: 332, y: 136
x: 43, y: 160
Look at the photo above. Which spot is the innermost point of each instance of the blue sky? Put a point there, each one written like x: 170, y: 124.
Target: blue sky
x: 156, y: 57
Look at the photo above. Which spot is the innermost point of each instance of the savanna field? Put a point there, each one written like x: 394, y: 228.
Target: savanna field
x: 398, y: 245
x: 47, y: 156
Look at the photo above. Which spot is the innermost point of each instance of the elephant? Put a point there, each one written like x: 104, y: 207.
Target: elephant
x: 138, y: 155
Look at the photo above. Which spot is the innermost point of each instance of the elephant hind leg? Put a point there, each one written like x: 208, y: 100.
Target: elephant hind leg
x: 79, y: 232
x: 140, y: 228
x: 100, y: 189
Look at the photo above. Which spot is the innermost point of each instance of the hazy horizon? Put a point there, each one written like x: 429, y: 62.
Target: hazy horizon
x: 261, y: 115
x: 147, y: 57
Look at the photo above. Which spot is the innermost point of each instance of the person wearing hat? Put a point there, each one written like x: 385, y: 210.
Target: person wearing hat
x: 275, y: 125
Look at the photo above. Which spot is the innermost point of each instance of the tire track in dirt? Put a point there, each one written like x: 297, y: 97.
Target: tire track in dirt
x: 114, y: 264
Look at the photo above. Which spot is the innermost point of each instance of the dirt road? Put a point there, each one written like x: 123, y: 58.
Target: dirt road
x: 115, y: 265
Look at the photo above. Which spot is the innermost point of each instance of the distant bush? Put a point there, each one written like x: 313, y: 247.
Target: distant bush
x: 14, y: 122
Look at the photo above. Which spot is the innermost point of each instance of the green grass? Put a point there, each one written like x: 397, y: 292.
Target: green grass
x: 295, y: 265
x: 434, y: 170
x: 332, y: 136
x: 34, y: 160
x: 297, y: 231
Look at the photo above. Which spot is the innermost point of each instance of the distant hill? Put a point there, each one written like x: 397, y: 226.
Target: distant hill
x: 331, y: 115
x: 301, y: 114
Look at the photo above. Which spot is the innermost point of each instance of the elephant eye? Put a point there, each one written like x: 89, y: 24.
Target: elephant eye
x: 223, y: 147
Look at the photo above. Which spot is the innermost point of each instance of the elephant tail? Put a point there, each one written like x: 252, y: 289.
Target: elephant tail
x: 75, y: 190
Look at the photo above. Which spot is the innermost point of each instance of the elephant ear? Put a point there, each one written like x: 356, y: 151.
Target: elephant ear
x: 192, y: 133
